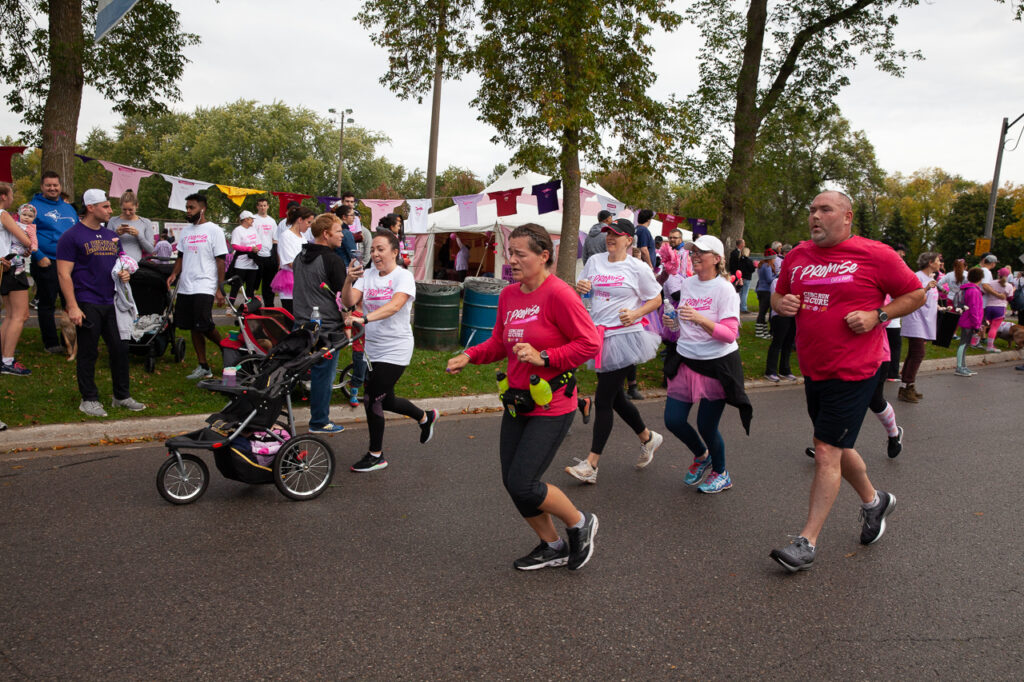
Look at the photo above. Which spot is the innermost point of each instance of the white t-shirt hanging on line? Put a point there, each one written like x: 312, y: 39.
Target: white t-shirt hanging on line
x: 627, y: 284
x: 389, y: 340
x: 199, y: 246
x: 715, y: 299
x: 245, y: 236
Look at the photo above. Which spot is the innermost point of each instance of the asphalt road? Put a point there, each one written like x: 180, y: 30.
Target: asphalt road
x: 406, y: 573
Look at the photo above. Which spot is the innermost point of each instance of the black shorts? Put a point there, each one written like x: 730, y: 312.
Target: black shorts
x: 837, y: 408
x: 194, y: 311
x: 12, y: 282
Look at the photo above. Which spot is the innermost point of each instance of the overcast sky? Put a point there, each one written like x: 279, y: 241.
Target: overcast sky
x: 946, y: 112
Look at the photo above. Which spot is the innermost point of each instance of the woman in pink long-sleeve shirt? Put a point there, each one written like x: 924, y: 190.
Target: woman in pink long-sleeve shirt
x: 542, y: 329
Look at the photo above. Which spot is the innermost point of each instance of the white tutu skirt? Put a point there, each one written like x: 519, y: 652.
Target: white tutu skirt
x: 623, y: 350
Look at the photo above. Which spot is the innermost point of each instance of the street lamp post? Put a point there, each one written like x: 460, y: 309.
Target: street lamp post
x: 341, y: 141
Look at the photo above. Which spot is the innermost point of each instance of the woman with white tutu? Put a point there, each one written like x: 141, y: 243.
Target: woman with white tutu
x: 624, y: 290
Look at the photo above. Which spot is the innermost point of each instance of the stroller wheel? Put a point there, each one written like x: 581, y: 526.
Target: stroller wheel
x: 150, y: 363
x: 304, y: 467
x: 179, y: 349
x: 182, y: 484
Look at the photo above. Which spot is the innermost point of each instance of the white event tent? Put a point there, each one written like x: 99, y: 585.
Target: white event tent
x: 447, y: 221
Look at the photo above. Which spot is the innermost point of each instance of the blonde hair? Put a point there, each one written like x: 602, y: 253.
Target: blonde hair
x: 129, y: 197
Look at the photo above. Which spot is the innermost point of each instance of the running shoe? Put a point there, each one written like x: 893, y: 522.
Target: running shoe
x: 369, y: 463
x: 129, y: 403
x: 583, y: 405
x: 647, y: 449
x: 3, y: 426
x: 353, y: 397
x: 543, y: 556
x: 427, y: 427
x: 15, y: 368
x: 1019, y: 368
x: 581, y: 542
x: 56, y: 350
x: 797, y: 556
x: 634, y: 393
x: 774, y: 378
x: 716, y: 483
x: 583, y: 472
x: 993, y: 349
x: 93, y: 408
x: 697, y: 470
x: 329, y: 427
x: 790, y: 377
x: 963, y: 372
x: 200, y: 373
x: 874, y: 518
x: 896, y: 443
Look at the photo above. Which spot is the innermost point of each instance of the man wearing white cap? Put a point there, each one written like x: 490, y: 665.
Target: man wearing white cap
x: 86, y: 256
x: 246, y: 243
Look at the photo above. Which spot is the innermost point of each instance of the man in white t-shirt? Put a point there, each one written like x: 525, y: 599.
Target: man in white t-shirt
x: 266, y: 258
x: 200, y: 269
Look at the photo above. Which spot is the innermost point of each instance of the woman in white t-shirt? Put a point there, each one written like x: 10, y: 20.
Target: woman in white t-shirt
x: 624, y: 290
x: 708, y: 320
x: 386, y: 293
x: 289, y: 245
x: 15, y: 242
x: 918, y: 327
x: 246, y: 242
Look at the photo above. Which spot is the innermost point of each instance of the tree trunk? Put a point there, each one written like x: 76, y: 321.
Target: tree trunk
x: 64, y: 99
x: 568, y: 251
x: 435, y: 110
x: 746, y: 123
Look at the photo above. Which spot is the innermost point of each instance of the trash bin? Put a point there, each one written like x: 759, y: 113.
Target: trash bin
x: 945, y: 328
x: 435, y: 315
x: 479, y: 309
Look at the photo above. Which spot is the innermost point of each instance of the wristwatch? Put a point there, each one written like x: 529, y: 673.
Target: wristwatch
x: 545, y: 358
x: 883, y: 317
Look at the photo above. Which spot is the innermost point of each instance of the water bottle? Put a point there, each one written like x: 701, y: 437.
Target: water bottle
x: 502, y: 384
x: 314, y: 317
x: 672, y: 314
x: 540, y: 391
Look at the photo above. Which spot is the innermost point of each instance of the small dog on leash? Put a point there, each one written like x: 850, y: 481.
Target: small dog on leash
x: 70, y: 333
x: 1013, y: 334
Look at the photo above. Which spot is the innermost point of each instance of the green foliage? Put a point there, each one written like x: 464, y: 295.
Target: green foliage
x: 923, y: 201
x: 966, y: 222
x: 455, y: 182
x: 135, y: 67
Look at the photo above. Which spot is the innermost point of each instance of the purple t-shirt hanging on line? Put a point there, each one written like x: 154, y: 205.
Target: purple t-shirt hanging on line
x: 94, y: 253
x: 547, y: 196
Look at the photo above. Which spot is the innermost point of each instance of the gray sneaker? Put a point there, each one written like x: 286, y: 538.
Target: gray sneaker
x: 583, y: 472
x: 93, y: 408
x: 129, y: 403
x: 200, y: 373
x: 647, y: 449
x: 798, y: 556
x: 874, y: 519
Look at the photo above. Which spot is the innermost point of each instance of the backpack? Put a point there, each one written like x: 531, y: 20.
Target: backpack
x: 958, y: 298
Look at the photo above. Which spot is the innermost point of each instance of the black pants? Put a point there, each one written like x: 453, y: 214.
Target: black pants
x: 878, y: 401
x: 101, y: 321
x: 380, y: 396
x: 527, y: 446
x: 286, y: 303
x: 895, y: 350
x: 764, y: 304
x: 631, y: 375
x: 47, y: 291
x: 783, y: 335
x: 268, y: 268
x: 610, y: 396
x: 250, y: 280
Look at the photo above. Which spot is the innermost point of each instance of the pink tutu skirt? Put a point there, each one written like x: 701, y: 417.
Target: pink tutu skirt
x: 283, y: 282
x: 690, y: 387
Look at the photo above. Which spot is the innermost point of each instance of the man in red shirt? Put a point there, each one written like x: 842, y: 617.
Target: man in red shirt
x: 835, y: 285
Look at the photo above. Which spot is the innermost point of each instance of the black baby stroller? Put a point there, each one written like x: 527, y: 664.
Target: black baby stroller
x: 156, y: 305
x: 260, y: 410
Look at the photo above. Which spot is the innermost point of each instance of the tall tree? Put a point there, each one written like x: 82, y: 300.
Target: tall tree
x: 427, y: 42
x: 556, y: 77
x: 135, y: 67
x: 923, y: 201
x: 966, y: 222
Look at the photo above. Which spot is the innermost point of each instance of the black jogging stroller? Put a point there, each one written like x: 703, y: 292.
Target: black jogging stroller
x: 258, y: 419
x: 156, y: 306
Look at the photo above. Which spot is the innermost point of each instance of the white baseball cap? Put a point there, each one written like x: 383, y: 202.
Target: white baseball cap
x: 706, y: 242
x: 93, y: 196
x: 245, y: 215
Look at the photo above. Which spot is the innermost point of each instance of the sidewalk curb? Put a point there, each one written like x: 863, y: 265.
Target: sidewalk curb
x: 60, y: 436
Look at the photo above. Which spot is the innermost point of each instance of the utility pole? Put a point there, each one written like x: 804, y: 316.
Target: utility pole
x: 341, y: 142
x: 991, y: 217
x: 435, y: 112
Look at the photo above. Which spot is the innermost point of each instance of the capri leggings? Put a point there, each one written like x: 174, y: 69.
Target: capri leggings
x: 709, y: 413
x: 527, y: 446
x: 878, y: 401
x: 380, y: 396
x: 610, y: 396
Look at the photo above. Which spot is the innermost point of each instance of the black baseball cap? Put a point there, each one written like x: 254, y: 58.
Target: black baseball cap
x: 621, y: 227
x: 604, y: 215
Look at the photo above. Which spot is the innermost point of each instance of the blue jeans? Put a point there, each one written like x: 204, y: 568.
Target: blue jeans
x: 321, y: 380
x: 708, y: 415
x: 743, y: 296
x: 358, y: 369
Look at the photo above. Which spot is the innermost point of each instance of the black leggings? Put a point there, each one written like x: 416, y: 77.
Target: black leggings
x: 250, y: 279
x: 878, y: 401
x: 764, y: 304
x: 610, y: 396
x: 380, y: 396
x: 527, y: 446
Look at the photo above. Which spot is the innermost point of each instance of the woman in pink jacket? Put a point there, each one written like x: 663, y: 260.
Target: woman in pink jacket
x: 970, y: 320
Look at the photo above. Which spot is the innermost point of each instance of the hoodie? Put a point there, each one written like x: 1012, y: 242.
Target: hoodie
x: 595, y: 242
x: 315, y: 265
x: 53, y: 218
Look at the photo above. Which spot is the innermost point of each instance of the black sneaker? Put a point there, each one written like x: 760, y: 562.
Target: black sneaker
x: 369, y: 463
x: 874, y: 519
x: 543, y: 556
x: 581, y: 542
x: 427, y: 427
x: 583, y: 404
x: 896, y: 443
x: 634, y: 393
x: 810, y: 452
x: 797, y: 556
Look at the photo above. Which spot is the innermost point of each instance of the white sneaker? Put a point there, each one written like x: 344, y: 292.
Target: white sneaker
x: 129, y: 403
x: 583, y: 472
x: 647, y: 450
x: 200, y: 373
x: 93, y: 408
